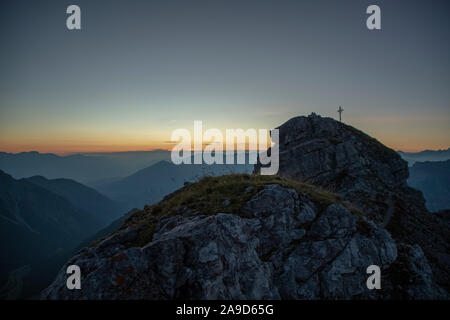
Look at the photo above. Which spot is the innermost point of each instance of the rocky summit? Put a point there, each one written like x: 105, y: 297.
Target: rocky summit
x: 339, y: 205
x: 341, y: 159
x: 370, y: 176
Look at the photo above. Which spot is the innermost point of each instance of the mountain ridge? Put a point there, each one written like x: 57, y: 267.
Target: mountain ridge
x: 86, y: 168
x: 339, y: 204
x: 81, y: 196
x: 425, y: 155
x: 36, y: 223
x: 433, y: 179
x: 373, y: 177
x: 41, y: 223
x: 153, y: 183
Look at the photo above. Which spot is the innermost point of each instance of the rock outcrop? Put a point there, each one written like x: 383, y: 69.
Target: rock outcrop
x: 342, y: 159
x: 281, y: 246
x: 341, y: 206
x: 371, y: 176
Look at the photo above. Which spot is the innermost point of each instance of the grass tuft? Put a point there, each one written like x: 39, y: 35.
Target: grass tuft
x: 224, y: 194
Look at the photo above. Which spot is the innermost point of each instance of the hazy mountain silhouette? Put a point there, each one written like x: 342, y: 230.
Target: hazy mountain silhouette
x: 426, y: 155
x: 86, y: 168
x: 110, y: 228
x: 433, y: 179
x: 131, y: 161
x: 42, y: 222
x: 85, y: 198
x: 153, y: 183
x: 37, y: 224
x: 43, y: 271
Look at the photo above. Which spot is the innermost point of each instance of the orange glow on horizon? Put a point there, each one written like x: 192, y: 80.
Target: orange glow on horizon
x: 73, y: 149
x: 395, y: 137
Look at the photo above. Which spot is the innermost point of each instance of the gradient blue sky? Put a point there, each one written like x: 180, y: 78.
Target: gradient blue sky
x: 139, y: 69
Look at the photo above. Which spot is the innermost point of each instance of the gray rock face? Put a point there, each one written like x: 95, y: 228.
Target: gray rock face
x: 342, y: 159
x: 318, y: 150
x: 371, y: 176
x: 285, y: 248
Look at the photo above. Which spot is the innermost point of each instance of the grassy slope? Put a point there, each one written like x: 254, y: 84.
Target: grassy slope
x: 209, y: 194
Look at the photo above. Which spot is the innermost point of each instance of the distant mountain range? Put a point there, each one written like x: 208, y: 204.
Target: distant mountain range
x: 433, y: 179
x: 151, y: 184
x: 85, y: 198
x: 99, y: 169
x: 85, y: 168
x: 42, y: 220
x: 426, y: 155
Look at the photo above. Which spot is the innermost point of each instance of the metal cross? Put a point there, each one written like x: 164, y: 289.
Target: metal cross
x: 340, y: 110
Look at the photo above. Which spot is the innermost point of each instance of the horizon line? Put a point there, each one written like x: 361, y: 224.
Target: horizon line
x: 69, y: 153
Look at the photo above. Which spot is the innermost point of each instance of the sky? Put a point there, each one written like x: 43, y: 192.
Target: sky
x: 137, y: 70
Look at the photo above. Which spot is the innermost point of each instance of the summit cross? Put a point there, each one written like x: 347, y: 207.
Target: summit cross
x: 340, y: 110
